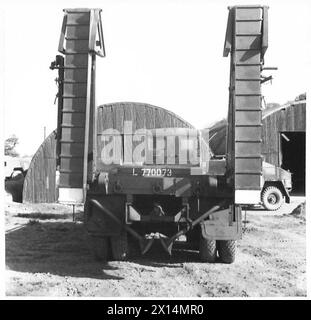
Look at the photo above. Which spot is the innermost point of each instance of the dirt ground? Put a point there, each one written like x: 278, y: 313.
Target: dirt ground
x: 47, y: 255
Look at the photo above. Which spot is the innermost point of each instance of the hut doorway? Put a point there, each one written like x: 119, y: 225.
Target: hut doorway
x: 293, y: 157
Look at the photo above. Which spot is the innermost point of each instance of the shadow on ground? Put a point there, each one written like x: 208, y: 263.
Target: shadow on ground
x: 62, y: 248
x: 158, y: 257
x: 45, y: 216
x: 58, y: 248
x: 182, y: 253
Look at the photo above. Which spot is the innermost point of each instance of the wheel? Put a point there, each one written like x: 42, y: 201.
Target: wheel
x: 119, y: 247
x: 272, y: 198
x: 226, y: 250
x: 99, y: 247
x: 208, y: 252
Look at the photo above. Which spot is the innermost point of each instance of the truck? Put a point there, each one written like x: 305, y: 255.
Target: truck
x: 155, y: 185
x: 276, y: 187
x: 276, y: 184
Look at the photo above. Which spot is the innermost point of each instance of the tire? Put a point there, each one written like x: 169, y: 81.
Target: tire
x: 226, y: 250
x: 272, y: 198
x: 208, y: 251
x: 119, y: 247
x: 99, y: 248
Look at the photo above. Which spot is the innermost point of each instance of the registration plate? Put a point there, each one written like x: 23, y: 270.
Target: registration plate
x: 152, y: 172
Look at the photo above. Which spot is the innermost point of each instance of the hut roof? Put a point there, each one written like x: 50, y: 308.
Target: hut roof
x: 142, y: 115
x: 217, y: 132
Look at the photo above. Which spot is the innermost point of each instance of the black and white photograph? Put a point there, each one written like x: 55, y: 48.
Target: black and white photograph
x: 155, y: 149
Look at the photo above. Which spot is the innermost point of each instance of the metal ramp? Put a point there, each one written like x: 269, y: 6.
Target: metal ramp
x: 80, y: 41
x: 247, y: 41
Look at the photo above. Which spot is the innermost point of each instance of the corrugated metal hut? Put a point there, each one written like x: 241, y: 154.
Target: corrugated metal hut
x: 217, y: 134
x: 283, y: 138
x: 39, y: 184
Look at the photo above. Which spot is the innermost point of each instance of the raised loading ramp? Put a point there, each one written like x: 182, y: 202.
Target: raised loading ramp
x: 80, y: 36
x: 247, y: 41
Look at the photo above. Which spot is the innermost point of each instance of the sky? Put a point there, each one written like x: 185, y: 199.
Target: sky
x: 166, y: 53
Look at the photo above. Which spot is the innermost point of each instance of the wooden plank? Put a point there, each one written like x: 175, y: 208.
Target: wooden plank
x: 118, y: 117
x: 100, y: 121
x: 150, y: 118
x: 107, y: 120
x: 161, y: 120
x: 129, y: 114
x: 248, y: 13
x: 140, y: 117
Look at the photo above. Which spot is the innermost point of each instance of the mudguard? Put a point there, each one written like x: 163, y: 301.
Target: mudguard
x: 223, y: 225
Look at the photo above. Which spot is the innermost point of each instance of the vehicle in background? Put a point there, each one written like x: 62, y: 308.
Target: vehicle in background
x: 276, y: 188
x: 15, y: 170
x: 277, y: 184
x: 14, y: 184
